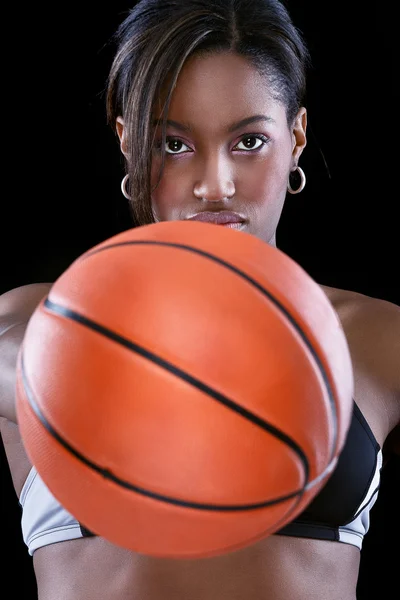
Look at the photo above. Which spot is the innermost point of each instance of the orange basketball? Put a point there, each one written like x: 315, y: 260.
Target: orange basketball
x: 184, y: 389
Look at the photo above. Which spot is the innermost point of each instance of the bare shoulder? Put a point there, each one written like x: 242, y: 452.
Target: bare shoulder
x: 18, y: 303
x: 367, y: 314
x: 372, y: 329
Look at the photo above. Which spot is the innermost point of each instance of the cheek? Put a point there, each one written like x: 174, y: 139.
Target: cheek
x: 169, y: 195
x: 263, y: 184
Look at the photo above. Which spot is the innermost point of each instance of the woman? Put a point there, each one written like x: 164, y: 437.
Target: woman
x: 207, y: 101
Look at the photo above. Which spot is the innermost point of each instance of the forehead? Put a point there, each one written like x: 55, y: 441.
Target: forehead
x: 215, y: 90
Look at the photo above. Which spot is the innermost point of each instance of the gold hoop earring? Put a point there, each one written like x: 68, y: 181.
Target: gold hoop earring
x: 302, y: 182
x: 123, y: 187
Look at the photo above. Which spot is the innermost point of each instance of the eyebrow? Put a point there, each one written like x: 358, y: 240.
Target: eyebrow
x: 231, y: 129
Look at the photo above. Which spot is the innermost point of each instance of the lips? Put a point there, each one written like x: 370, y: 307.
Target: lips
x: 219, y: 218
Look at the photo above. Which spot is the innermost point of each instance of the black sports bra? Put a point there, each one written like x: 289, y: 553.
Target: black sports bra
x: 340, y: 512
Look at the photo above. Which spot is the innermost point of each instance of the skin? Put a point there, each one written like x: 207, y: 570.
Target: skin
x: 216, y: 172
x: 211, y: 168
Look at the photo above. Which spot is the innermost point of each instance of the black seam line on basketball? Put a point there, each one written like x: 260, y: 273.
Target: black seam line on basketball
x: 261, y: 289
x: 126, y: 484
x: 177, y: 372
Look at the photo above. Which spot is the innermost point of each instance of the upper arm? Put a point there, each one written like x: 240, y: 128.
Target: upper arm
x: 392, y: 442
x: 16, y: 308
x: 384, y: 343
x: 376, y: 353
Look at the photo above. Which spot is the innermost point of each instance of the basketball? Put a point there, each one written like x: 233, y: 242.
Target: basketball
x: 184, y: 389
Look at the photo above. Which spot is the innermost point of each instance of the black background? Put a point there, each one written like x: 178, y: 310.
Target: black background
x: 63, y: 170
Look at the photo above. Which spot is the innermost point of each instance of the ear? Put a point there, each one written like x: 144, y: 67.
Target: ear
x: 299, y: 134
x: 121, y: 131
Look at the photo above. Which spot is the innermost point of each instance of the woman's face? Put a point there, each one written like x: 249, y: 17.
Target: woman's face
x: 229, y: 149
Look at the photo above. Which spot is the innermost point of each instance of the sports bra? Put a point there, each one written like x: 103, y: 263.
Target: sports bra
x: 340, y: 512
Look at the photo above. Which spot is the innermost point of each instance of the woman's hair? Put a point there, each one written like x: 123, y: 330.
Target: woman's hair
x: 155, y: 40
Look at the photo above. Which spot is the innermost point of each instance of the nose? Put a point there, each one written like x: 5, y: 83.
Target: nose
x: 215, y: 183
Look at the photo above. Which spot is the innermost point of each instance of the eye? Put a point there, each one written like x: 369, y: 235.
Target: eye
x: 251, y: 142
x: 175, y: 146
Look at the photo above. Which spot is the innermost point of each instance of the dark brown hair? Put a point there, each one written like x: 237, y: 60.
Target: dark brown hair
x: 155, y: 40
